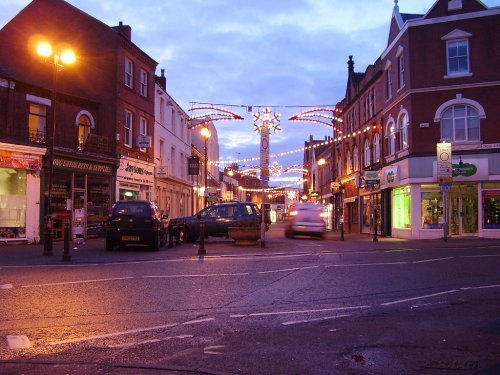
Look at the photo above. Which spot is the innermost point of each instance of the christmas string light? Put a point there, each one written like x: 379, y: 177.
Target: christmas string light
x: 309, y: 114
x: 216, y: 114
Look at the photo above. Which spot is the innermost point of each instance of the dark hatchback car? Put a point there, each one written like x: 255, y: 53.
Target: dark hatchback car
x: 217, y: 219
x: 135, y: 222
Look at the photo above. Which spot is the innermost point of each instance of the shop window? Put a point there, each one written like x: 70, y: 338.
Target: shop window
x: 402, y: 207
x: 37, y: 123
x: 12, y: 203
x: 432, y: 210
x: 491, y: 209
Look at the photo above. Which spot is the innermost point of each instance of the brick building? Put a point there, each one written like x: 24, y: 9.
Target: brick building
x: 436, y: 81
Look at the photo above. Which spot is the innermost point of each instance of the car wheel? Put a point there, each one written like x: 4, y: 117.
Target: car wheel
x: 156, y: 243
x: 109, y: 245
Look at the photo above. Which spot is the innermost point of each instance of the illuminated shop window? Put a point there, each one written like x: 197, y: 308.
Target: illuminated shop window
x: 401, y: 207
x: 491, y: 209
x: 432, y: 210
x: 12, y: 203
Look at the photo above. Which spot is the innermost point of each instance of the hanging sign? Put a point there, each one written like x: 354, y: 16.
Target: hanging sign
x: 193, y: 165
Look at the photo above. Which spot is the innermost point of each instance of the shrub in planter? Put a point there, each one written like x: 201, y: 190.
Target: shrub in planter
x: 245, y: 232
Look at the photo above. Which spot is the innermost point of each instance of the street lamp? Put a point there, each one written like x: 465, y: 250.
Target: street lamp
x: 59, y: 59
x: 230, y: 173
x: 321, y: 162
x: 205, y: 133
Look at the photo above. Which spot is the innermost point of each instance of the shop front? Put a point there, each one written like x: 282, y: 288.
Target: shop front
x: 135, y: 179
x: 20, y: 168
x: 82, y: 192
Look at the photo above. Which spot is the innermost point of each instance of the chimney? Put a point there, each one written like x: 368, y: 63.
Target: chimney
x: 350, y: 66
x: 162, y: 80
x: 125, y: 30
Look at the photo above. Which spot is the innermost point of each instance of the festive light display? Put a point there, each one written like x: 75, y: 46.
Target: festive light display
x: 264, y: 119
x: 275, y: 169
x: 215, y: 114
x: 318, y: 116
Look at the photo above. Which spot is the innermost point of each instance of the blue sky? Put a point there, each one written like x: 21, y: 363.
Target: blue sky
x: 254, y: 53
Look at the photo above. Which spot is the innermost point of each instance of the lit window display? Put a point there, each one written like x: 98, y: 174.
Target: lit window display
x: 12, y: 203
x: 402, y: 207
x: 491, y: 209
x: 432, y: 210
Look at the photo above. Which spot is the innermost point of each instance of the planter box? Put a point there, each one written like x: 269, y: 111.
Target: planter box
x: 244, y: 235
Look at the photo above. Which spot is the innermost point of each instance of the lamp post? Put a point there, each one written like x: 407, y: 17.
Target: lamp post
x: 205, y: 133
x: 341, y: 188
x: 59, y: 59
x: 321, y: 163
x: 230, y: 173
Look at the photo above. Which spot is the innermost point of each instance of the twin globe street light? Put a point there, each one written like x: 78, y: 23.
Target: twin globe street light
x: 58, y: 60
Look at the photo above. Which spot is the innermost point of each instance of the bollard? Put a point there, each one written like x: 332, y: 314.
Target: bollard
x: 170, y: 236
x: 66, y: 257
x: 375, y: 226
x: 201, y: 250
x: 47, y: 239
x: 342, y: 230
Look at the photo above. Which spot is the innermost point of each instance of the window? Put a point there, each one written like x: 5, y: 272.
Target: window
x: 339, y: 167
x: 460, y: 123
x: 367, y: 158
x: 37, y: 123
x: 458, y: 57
x: 432, y: 210
x: 83, y: 130
x: 144, y: 83
x: 14, y: 203
x: 172, y: 161
x: 389, y: 83
x: 143, y: 129
x: 348, y: 163
x: 172, y: 120
x: 162, y: 111
x: 402, y: 205
x: 403, y: 127
x: 491, y: 209
x: 355, y: 158
x: 376, y: 148
x: 128, y: 129
x: 401, y: 71
x: 129, y: 73
x: 391, y: 138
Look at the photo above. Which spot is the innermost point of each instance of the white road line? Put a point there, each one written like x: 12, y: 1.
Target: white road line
x: 314, y: 320
x: 114, y: 334
x: 198, y: 321
x: 420, y: 297
x: 288, y: 269
x: 210, y: 349
x: 300, y: 311
x: 481, y: 256
x: 432, y: 260
x: 6, y: 286
x: 130, y: 344
x: 366, y: 264
x: 77, y: 282
x: 480, y: 287
x: 196, y: 275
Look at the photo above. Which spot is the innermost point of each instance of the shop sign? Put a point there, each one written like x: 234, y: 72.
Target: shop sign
x: 314, y: 194
x: 18, y: 160
x: 372, y: 177
x: 143, y: 141
x: 132, y: 170
x: 161, y: 171
x: 391, y: 176
x: 464, y: 169
x: 193, y: 166
x: 82, y: 166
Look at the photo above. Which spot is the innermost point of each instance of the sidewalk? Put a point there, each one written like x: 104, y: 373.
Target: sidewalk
x: 93, y: 250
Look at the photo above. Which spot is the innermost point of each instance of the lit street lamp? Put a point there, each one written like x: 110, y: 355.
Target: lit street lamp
x: 230, y: 173
x: 59, y: 59
x: 205, y: 133
x: 321, y: 163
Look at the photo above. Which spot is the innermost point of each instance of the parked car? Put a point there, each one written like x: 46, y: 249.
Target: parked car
x: 305, y: 218
x: 135, y: 222
x: 217, y: 218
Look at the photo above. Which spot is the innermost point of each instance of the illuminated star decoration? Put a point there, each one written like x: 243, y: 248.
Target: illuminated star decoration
x: 264, y: 119
x: 275, y: 169
x: 292, y: 194
x: 215, y: 114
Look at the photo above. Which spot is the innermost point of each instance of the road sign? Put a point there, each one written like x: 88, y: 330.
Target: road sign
x: 445, y: 186
x: 444, y: 165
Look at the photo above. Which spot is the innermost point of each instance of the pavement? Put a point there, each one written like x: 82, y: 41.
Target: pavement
x: 93, y: 250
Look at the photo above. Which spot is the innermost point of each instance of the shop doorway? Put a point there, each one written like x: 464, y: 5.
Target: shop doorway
x: 463, y: 215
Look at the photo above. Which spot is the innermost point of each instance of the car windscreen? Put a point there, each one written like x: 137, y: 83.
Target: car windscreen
x: 132, y: 209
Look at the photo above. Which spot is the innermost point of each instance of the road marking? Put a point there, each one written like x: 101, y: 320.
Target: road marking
x: 481, y: 256
x: 196, y: 275
x: 314, y: 320
x: 130, y: 344
x: 18, y: 342
x: 480, y: 287
x: 366, y: 264
x: 299, y: 311
x: 77, y: 282
x: 420, y: 297
x: 198, y: 321
x: 6, y: 286
x: 288, y: 269
x: 210, y: 349
x: 432, y: 260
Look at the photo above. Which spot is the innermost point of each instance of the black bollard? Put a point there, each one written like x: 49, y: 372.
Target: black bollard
x: 201, y: 250
x: 66, y: 257
x: 342, y: 230
x: 170, y: 236
x: 47, y: 239
x: 375, y: 226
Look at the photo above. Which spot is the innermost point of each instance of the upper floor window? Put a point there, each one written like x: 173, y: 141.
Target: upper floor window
x: 368, y: 157
x: 376, y: 148
x: 391, y: 138
x: 355, y: 159
x: 339, y: 167
x: 172, y: 121
x: 460, y: 123
x: 127, y: 140
x: 162, y: 111
x: 403, y: 127
x: 348, y: 162
x: 389, y: 82
x: 458, y: 57
x: 37, y: 123
x: 144, y: 83
x: 143, y: 128
x: 84, y: 126
x: 129, y: 73
x: 401, y: 71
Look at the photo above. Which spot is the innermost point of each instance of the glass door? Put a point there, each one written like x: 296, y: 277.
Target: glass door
x: 463, y: 215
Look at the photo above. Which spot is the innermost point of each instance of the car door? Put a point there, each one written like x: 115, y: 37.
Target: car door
x: 210, y: 217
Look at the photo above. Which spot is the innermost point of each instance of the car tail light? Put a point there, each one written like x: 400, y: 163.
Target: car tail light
x: 324, y: 214
x: 293, y: 213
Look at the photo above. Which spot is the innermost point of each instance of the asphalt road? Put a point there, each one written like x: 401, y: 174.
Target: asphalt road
x: 312, y: 310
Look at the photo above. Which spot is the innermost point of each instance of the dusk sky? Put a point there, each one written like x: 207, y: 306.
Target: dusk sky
x: 284, y: 54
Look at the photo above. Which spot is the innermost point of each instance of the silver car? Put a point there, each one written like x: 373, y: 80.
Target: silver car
x: 307, y: 219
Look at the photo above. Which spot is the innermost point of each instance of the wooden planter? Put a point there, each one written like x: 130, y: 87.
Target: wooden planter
x: 244, y: 235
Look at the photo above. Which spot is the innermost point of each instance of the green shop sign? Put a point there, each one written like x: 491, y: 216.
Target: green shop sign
x: 465, y: 169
